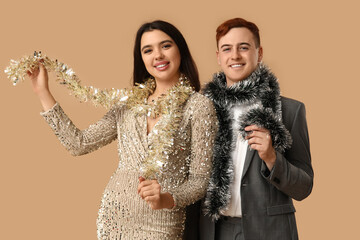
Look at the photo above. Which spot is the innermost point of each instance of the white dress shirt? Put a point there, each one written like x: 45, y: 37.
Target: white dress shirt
x: 233, y: 209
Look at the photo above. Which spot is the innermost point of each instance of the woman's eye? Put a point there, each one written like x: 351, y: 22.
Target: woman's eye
x: 147, y: 51
x: 166, y: 46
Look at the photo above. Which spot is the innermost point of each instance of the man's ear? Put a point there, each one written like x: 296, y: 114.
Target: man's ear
x: 261, y: 51
x: 217, y: 56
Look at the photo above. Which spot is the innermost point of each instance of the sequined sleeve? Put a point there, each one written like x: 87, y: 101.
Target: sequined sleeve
x: 203, y: 130
x: 79, y: 142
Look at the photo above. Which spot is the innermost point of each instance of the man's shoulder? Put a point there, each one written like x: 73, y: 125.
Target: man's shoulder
x: 289, y: 104
x: 291, y: 109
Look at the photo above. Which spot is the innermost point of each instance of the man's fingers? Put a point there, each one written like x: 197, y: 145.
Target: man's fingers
x: 255, y: 128
x: 258, y: 134
x: 252, y: 128
x: 255, y: 140
x: 255, y: 146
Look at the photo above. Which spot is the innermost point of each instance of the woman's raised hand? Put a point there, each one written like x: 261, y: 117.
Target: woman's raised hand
x: 39, y: 81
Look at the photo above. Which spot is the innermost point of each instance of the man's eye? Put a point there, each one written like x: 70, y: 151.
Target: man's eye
x: 226, y: 49
x: 244, y: 48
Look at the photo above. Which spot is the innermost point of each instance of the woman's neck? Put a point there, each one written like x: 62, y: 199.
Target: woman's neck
x: 162, y: 86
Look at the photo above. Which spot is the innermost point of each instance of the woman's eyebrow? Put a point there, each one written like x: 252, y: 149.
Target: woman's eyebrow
x: 162, y: 42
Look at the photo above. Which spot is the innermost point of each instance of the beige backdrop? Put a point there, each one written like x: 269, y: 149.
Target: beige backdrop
x: 312, y: 46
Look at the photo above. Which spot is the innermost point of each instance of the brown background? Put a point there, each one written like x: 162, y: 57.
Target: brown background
x: 312, y: 46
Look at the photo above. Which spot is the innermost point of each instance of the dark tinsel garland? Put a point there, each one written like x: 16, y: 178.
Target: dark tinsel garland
x: 262, y: 86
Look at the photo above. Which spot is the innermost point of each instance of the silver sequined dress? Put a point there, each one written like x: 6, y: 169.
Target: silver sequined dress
x: 123, y: 214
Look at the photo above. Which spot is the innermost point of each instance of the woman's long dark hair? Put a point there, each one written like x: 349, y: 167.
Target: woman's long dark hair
x: 187, y: 64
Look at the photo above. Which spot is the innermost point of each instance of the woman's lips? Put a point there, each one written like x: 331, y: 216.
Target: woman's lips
x: 161, y: 66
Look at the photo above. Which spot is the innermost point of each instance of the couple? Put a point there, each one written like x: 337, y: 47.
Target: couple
x: 241, y: 151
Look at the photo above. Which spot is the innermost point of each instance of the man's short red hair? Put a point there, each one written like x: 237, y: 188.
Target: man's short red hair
x: 225, y: 27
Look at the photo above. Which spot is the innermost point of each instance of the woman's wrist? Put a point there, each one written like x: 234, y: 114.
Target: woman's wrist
x: 46, y: 99
x: 167, y: 200
x: 42, y: 92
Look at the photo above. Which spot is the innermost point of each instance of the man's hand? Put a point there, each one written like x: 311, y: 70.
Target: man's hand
x: 150, y: 191
x: 259, y: 139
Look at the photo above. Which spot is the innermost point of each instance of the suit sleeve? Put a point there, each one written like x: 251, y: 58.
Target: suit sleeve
x: 292, y: 173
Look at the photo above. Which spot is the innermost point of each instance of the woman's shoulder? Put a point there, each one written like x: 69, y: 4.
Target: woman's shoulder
x: 199, y: 104
x: 199, y: 100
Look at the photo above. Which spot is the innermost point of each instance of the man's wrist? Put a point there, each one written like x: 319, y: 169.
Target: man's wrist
x: 270, y: 161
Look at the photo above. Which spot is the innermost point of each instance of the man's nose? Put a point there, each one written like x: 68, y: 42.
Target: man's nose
x: 235, y: 54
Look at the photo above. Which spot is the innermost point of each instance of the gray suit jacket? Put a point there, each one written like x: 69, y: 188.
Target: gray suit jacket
x: 267, y: 207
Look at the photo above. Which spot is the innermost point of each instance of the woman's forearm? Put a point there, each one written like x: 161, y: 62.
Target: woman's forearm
x: 46, y: 99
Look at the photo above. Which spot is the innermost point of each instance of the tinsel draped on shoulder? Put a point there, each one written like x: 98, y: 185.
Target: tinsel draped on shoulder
x: 261, y: 91
x: 170, y: 108
x: 263, y: 85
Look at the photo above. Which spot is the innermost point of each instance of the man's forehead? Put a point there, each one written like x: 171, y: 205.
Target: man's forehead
x: 236, y: 36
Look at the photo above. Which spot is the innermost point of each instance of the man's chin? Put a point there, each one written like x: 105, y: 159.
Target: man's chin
x: 235, y: 79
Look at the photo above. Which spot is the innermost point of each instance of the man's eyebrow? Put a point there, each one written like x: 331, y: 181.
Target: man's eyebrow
x: 225, y: 45
x: 245, y: 43
x: 239, y: 44
x: 162, y: 42
x: 229, y: 45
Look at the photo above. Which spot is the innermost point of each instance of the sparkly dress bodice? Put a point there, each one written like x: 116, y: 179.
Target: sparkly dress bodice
x: 185, y: 174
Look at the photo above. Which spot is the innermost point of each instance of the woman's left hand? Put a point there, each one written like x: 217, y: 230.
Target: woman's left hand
x: 150, y: 191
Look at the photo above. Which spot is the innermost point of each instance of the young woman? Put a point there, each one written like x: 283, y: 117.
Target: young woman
x: 165, y: 132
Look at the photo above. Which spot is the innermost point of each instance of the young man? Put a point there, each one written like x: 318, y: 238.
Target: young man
x: 262, y: 155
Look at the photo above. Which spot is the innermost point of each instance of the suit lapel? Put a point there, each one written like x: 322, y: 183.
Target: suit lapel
x: 249, y: 157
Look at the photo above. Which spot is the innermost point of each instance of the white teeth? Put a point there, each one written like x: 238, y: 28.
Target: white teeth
x: 162, y: 65
x: 236, y: 65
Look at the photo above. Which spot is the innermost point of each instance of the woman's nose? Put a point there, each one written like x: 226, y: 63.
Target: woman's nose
x: 159, y: 54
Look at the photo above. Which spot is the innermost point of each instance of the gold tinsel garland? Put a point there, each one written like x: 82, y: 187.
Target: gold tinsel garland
x: 17, y: 72
x: 169, y: 107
